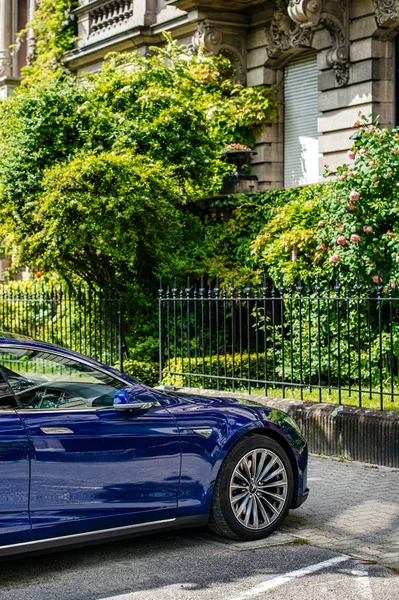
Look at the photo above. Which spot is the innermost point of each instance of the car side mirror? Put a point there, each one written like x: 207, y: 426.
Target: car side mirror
x: 133, y: 397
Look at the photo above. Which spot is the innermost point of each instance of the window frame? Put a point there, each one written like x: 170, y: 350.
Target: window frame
x: 22, y: 410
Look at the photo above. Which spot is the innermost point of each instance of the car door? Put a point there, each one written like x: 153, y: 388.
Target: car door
x: 14, y: 472
x: 92, y: 467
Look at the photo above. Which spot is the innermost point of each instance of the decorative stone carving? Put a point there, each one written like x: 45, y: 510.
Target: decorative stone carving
x: 5, y: 63
x: 216, y: 41
x: 284, y: 34
x: 333, y: 15
x: 386, y: 10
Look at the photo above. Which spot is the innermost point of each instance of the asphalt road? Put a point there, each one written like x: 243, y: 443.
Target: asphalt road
x: 193, y: 565
x: 327, y: 549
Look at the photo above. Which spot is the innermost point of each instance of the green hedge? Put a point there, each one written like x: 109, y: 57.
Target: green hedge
x: 145, y: 372
x: 223, y: 364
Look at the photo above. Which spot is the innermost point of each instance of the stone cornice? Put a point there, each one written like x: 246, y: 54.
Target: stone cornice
x: 217, y: 5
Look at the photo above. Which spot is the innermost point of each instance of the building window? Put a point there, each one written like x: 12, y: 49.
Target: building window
x: 301, y: 145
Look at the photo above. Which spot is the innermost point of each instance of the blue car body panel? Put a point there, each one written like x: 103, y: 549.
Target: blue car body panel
x: 14, y: 480
x: 229, y: 420
x: 118, y: 468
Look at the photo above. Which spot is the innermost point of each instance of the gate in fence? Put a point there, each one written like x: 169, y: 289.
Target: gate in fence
x: 336, y: 343
x: 84, y: 320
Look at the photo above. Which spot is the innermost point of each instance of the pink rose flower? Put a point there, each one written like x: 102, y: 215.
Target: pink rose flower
x: 335, y: 258
x: 393, y: 284
x: 353, y: 196
x: 323, y: 247
x: 377, y: 279
x: 351, y: 155
x: 321, y: 223
x: 368, y: 229
x: 341, y: 240
x: 351, y: 206
x: 397, y: 259
x: 389, y: 175
x: 356, y: 123
x: 355, y: 238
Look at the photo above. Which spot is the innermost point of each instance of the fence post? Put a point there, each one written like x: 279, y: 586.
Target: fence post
x: 121, y: 334
x: 160, y: 292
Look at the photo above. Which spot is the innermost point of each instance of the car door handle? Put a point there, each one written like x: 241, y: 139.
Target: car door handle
x: 56, y: 430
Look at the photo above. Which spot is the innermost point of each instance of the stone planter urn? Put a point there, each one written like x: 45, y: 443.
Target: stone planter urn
x: 240, y: 181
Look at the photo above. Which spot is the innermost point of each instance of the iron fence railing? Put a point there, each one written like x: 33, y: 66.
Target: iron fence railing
x: 81, y: 319
x: 337, y: 342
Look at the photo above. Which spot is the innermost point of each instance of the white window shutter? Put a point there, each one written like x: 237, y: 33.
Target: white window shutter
x: 301, y: 146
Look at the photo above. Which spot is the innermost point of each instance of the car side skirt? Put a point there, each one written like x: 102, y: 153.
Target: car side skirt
x: 97, y: 537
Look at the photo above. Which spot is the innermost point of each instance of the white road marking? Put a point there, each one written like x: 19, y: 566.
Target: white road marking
x: 172, y: 591
x: 363, y: 582
x: 272, y: 584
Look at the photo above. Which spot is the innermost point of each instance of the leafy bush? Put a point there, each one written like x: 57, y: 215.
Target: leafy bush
x: 239, y: 366
x: 145, y: 372
x: 287, y: 245
x: 61, y: 138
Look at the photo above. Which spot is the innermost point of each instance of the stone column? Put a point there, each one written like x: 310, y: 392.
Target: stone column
x: 30, y: 37
x: 5, y: 38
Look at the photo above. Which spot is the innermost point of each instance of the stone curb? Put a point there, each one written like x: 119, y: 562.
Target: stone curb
x: 362, y: 434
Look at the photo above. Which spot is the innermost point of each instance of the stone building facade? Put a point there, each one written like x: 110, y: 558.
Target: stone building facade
x: 329, y: 58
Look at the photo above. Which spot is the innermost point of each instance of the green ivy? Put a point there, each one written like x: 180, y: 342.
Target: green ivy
x: 55, y: 32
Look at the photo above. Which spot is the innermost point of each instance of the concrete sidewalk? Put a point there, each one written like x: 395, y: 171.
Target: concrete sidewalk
x: 352, y: 507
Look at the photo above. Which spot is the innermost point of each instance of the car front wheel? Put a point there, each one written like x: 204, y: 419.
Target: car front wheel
x: 253, y: 491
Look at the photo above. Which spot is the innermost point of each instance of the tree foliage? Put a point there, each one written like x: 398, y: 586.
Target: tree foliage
x: 95, y: 171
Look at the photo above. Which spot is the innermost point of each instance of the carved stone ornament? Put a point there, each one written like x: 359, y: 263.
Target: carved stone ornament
x: 333, y: 15
x: 386, y: 10
x: 284, y: 34
x: 5, y: 63
x: 214, y: 41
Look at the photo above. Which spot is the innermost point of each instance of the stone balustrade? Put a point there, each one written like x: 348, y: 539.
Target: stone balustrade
x: 110, y: 14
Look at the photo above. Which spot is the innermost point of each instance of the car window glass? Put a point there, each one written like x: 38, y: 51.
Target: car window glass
x: 7, y: 399
x: 47, y: 380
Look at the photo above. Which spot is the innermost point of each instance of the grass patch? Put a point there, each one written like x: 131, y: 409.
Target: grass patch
x: 394, y: 570
x: 298, y: 542
x: 333, y: 397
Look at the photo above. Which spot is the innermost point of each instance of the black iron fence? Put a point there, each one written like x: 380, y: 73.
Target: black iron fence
x: 81, y: 319
x: 332, y: 343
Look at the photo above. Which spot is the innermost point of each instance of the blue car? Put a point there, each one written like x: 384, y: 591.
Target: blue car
x: 88, y: 454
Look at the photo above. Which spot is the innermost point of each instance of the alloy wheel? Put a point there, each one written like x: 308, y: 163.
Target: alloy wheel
x: 258, y: 489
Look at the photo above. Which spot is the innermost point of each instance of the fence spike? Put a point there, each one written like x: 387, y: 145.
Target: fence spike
x: 217, y: 288
x: 232, y: 289
x: 248, y: 288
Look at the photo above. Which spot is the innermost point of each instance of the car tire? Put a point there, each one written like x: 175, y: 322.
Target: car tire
x: 253, y: 491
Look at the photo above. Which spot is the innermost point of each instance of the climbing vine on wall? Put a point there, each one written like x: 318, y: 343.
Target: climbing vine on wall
x: 55, y: 32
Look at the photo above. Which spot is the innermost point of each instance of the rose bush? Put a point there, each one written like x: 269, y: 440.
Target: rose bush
x: 362, y: 208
